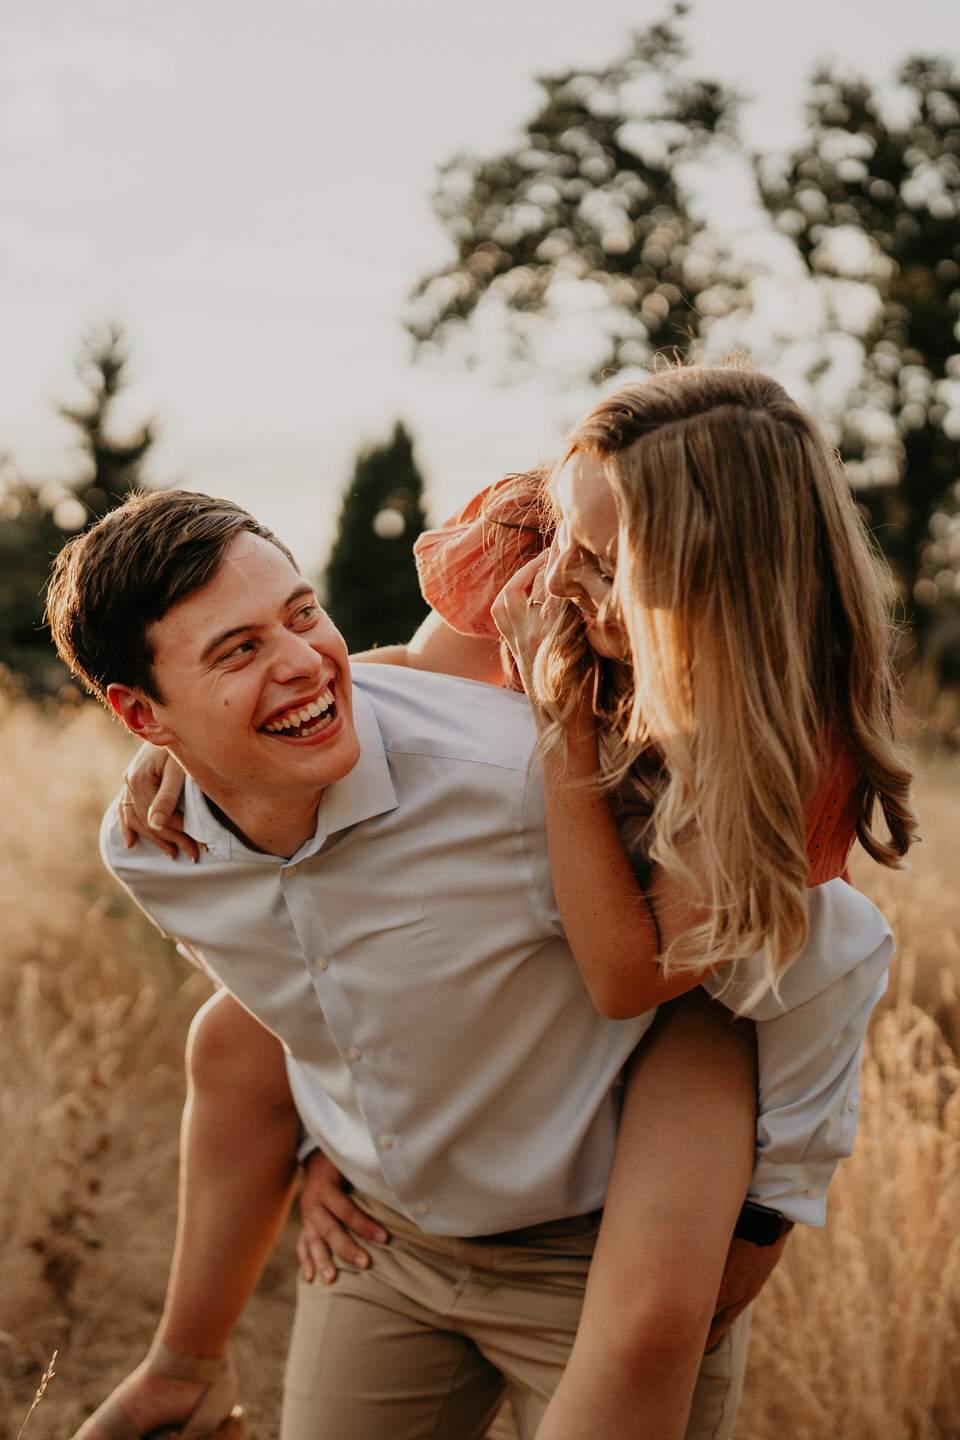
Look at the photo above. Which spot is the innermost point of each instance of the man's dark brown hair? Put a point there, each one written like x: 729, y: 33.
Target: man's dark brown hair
x: 110, y: 584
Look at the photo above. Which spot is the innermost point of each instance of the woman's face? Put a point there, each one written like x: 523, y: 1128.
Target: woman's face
x: 582, y: 561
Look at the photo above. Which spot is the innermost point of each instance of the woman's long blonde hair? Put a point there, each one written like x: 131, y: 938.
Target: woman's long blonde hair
x: 759, y: 622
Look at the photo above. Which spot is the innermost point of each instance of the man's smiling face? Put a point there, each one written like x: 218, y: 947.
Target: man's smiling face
x: 255, y: 684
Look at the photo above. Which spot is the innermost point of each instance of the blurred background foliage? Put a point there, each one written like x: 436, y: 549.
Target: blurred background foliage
x: 598, y: 208
x: 595, y: 223
x: 370, y: 584
x: 37, y: 518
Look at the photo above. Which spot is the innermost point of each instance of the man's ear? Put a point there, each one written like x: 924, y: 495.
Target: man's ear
x: 140, y: 714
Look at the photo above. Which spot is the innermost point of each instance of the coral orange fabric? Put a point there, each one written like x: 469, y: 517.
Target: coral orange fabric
x: 459, y: 568
x: 461, y: 572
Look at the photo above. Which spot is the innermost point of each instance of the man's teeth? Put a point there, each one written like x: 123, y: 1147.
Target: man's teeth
x: 295, y: 719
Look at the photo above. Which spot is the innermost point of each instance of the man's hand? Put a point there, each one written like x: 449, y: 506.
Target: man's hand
x: 152, y: 784
x: 746, y: 1272
x: 328, y: 1215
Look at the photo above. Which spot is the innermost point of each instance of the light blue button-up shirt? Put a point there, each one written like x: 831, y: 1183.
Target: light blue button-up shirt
x: 441, y: 1045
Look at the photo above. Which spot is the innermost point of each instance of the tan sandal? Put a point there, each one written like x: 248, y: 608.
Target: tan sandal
x: 216, y: 1415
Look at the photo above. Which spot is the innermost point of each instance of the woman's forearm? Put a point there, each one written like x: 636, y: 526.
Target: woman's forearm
x: 436, y: 646
x: 611, y: 922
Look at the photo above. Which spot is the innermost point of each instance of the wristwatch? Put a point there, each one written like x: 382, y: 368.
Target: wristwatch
x: 760, y: 1225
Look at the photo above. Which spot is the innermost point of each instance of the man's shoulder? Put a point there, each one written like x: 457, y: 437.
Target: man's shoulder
x: 153, y: 881
x: 145, y: 871
x: 128, y: 865
x: 422, y: 712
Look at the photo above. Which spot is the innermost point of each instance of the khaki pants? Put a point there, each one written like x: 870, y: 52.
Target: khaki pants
x: 425, y: 1343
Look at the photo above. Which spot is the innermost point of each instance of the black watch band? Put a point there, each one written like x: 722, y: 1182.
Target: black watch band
x: 760, y: 1225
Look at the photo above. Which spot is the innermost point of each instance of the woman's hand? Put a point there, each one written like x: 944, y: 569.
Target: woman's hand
x: 518, y: 615
x: 328, y: 1215
x: 153, y: 782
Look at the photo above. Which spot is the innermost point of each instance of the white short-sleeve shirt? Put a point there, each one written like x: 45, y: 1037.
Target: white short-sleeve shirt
x: 442, y: 1047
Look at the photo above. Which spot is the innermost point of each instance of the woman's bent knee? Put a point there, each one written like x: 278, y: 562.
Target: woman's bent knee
x: 229, y: 1052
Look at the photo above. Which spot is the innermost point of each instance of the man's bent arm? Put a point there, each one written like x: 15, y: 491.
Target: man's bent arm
x: 809, y: 1055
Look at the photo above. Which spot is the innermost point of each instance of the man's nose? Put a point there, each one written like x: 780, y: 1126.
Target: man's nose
x: 295, y: 658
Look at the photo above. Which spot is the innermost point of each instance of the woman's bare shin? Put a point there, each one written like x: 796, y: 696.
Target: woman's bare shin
x: 683, y: 1164
x: 237, y: 1168
x: 237, y: 1165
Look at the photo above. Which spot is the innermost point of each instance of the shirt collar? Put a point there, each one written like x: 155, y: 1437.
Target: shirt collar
x: 365, y: 791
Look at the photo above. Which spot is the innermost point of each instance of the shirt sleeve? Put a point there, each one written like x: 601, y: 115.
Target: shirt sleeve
x: 810, y: 1039
x: 117, y: 858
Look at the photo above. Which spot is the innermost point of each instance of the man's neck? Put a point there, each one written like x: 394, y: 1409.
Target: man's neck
x: 273, y: 824
x: 271, y: 830
x: 271, y: 837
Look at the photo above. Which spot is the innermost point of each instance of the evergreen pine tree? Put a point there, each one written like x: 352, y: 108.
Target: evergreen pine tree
x: 370, y: 582
x: 37, y: 519
x: 114, y: 464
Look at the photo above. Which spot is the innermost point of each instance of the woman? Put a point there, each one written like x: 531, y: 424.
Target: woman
x: 706, y: 641
x: 719, y: 601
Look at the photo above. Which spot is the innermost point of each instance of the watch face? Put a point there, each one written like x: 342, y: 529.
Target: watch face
x: 759, y: 1225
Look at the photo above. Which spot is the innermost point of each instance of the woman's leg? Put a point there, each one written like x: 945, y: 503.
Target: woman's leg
x: 683, y: 1164
x: 237, y: 1166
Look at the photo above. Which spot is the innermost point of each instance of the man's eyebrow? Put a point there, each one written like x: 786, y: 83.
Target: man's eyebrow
x: 297, y: 594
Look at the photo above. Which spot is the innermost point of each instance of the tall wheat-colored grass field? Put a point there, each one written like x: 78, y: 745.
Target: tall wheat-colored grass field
x: 856, y: 1336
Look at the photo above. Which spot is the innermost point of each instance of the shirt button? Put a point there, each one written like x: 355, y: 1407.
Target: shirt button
x: 813, y: 1193
x: 289, y: 869
x: 320, y: 963
x: 385, y: 1142
x: 353, y: 1053
x: 853, y: 1103
x: 423, y: 1208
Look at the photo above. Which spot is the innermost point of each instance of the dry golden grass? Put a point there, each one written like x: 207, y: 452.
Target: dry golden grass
x: 858, y: 1332
x: 94, y: 1009
x: 857, y: 1335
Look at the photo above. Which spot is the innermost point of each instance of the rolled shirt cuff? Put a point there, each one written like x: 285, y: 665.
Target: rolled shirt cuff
x: 799, y: 1192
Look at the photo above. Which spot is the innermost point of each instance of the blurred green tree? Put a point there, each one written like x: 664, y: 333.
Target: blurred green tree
x: 36, y: 519
x: 872, y: 196
x: 113, y: 462
x: 596, y: 194
x: 29, y: 539
x: 370, y: 582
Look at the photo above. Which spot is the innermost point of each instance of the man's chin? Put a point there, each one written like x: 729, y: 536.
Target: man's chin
x: 325, y: 760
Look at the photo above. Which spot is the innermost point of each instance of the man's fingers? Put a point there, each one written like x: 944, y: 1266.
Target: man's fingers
x: 746, y: 1272
x: 315, y: 1259
x: 355, y: 1219
x: 325, y: 1234
x: 329, y: 1216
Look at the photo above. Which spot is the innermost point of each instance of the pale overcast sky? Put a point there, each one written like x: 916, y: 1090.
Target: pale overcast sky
x: 244, y: 185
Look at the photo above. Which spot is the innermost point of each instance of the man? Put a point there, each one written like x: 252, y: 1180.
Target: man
x: 375, y: 890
